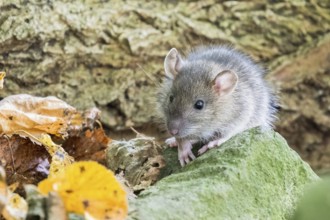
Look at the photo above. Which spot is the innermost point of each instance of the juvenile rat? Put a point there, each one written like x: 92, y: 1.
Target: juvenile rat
x: 212, y: 95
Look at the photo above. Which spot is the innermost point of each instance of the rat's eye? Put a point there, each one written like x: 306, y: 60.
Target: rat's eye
x: 199, y: 105
x: 171, y: 98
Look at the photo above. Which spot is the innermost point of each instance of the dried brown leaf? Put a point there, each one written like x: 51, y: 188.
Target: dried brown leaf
x: 22, y: 114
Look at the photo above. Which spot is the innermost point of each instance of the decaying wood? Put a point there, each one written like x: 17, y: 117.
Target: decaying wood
x: 140, y: 159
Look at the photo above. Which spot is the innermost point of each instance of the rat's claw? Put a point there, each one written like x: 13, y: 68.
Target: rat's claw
x: 206, y: 147
x: 181, y: 162
x: 183, y: 158
x: 171, y: 142
x: 203, y: 150
x: 191, y: 155
x: 185, y: 153
x: 210, y: 145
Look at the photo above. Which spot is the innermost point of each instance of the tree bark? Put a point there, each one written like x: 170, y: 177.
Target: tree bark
x: 109, y: 54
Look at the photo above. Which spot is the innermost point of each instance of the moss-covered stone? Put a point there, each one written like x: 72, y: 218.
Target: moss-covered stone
x: 254, y: 175
x: 315, y: 203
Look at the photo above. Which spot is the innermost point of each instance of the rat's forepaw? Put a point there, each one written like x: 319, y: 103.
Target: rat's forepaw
x: 186, y: 156
x: 202, y: 150
x: 171, y: 142
x: 208, y: 146
x: 185, y: 153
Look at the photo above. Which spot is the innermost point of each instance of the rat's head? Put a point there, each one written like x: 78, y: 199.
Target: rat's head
x: 194, y: 96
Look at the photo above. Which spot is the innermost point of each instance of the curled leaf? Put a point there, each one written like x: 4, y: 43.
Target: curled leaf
x: 2, y: 76
x: 37, y: 118
x: 22, y: 114
x: 88, y: 188
x: 60, y: 158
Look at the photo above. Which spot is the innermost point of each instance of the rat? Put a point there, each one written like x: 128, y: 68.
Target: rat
x: 213, y: 94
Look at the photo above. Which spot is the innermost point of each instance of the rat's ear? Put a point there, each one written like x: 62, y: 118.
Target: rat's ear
x: 225, y: 82
x: 172, y: 63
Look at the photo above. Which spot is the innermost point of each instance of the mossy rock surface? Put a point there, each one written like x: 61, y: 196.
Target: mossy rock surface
x: 315, y: 204
x: 254, y: 175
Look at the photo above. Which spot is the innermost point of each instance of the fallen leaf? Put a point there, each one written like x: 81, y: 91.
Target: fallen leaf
x: 3, y: 189
x: 12, y: 205
x: 2, y: 76
x: 12, y: 187
x: 60, y: 158
x: 25, y: 114
x: 91, y: 116
x: 28, y: 163
x: 16, y: 207
x: 88, y: 188
x: 24, y: 161
x: 89, y: 145
x: 37, y: 118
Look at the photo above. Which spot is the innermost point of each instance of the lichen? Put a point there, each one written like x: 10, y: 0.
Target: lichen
x: 139, y: 159
x: 255, y: 175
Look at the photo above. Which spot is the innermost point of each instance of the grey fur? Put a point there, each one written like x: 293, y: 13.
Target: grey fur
x: 250, y: 104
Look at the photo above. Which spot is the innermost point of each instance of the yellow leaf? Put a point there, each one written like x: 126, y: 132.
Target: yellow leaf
x: 16, y: 207
x: 2, y: 76
x: 88, y: 188
x: 60, y: 158
x: 12, y: 206
x: 12, y: 187
x: 3, y: 189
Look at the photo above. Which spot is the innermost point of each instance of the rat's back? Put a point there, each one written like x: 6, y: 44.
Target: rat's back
x: 253, y: 94
x: 255, y: 100
x: 228, y: 57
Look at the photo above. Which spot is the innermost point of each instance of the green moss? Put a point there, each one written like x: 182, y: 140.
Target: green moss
x: 254, y: 175
x: 315, y: 204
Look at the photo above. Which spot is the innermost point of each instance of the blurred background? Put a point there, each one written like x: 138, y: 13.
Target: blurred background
x: 109, y: 55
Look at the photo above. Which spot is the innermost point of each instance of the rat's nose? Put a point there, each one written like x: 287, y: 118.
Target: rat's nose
x: 174, y: 127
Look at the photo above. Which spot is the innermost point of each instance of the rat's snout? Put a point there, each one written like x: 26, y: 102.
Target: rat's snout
x: 174, y: 126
